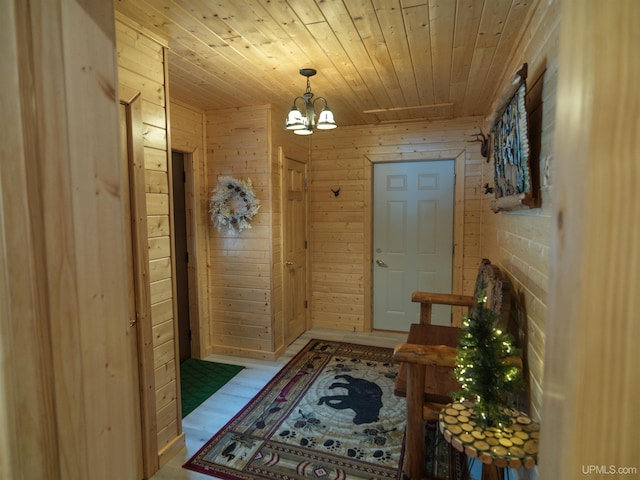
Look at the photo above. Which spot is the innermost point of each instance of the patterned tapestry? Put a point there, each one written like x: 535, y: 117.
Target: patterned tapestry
x: 511, y: 148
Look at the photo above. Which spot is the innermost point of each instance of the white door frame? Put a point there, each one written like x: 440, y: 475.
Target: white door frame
x: 459, y: 157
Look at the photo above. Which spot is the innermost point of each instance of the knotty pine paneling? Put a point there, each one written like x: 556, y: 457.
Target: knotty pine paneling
x: 165, y: 417
x: 187, y: 127
x: 276, y: 166
x: 161, y: 291
x: 371, y: 55
x: 164, y: 374
x: 156, y: 182
x: 155, y: 159
x: 165, y: 395
x: 236, y: 279
x: 244, y: 272
x: 237, y: 145
x: 157, y: 204
x: 163, y: 354
x: 142, y: 68
x: 159, y: 247
x: 151, y: 91
x: 340, y: 227
x: 159, y: 269
x: 166, y: 436
x: 158, y: 226
x: 163, y: 332
x: 187, y: 136
x: 68, y: 403
x: 245, y: 338
x: 520, y: 242
x: 591, y: 348
x: 162, y: 311
x: 153, y: 114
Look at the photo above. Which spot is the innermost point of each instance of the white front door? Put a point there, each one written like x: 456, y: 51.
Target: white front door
x: 412, y: 239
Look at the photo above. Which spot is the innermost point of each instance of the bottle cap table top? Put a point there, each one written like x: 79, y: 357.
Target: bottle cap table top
x: 514, y: 445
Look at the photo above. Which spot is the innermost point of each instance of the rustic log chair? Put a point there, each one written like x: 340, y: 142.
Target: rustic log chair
x: 428, y: 359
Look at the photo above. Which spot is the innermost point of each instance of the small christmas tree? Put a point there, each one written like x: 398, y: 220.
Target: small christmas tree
x: 483, y: 369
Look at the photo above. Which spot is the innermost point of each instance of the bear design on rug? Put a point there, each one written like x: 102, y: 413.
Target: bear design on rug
x: 363, y: 397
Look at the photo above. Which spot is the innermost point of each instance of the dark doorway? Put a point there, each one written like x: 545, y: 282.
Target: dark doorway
x: 182, y: 254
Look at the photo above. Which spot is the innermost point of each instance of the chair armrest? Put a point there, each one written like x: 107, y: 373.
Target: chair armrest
x: 443, y: 299
x: 427, y: 299
x: 439, y: 355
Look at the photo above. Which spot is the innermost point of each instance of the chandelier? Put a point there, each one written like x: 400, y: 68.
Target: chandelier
x: 302, y: 122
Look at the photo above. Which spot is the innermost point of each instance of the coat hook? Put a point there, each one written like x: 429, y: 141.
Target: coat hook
x: 487, y: 189
x: 336, y: 192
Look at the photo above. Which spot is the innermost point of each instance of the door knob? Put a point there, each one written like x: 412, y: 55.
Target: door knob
x: 381, y: 263
x: 288, y: 263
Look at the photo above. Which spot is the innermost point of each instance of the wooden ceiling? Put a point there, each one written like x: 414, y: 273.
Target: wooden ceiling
x: 378, y: 61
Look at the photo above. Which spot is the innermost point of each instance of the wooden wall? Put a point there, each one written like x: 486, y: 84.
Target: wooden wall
x: 240, y: 295
x: 341, y: 228
x: 188, y: 136
x: 141, y: 60
x: 520, y: 241
x: 239, y: 267
x: 591, y: 380
x: 67, y: 401
x: 282, y: 143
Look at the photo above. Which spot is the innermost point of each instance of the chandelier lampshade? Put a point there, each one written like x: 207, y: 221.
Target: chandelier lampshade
x: 302, y: 119
x: 326, y: 120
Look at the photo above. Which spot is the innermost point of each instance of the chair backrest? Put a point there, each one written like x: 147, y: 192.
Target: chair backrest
x: 497, y: 289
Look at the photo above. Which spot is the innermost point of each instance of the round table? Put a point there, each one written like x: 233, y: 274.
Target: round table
x: 514, y: 446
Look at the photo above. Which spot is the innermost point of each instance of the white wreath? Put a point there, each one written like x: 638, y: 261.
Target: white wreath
x: 233, y: 204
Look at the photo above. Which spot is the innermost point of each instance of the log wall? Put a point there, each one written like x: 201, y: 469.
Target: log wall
x: 141, y: 61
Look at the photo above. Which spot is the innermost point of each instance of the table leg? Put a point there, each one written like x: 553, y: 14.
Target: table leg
x: 414, y: 458
x: 491, y: 472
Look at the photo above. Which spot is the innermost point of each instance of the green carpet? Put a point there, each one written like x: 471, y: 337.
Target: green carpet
x: 200, y: 379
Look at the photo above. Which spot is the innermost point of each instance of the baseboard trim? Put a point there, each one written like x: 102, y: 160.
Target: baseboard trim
x: 171, y: 449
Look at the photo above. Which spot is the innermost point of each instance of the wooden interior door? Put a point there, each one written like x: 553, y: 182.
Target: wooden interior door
x: 412, y: 240
x: 181, y: 253
x: 140, y: 331
x: 295, y: 250
x: 133, y: 321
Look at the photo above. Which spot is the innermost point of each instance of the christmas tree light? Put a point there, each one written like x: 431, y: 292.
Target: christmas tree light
x: 484, y: 369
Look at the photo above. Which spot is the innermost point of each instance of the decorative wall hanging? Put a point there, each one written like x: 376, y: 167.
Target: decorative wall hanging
x: 508, y: 125
x: 233, y: 204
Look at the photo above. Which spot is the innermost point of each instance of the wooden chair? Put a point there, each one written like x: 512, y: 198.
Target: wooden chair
x: 428, y: 359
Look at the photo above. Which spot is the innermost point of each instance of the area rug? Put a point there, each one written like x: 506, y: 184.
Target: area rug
x: 199, y: 379
x: 330, y: 413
